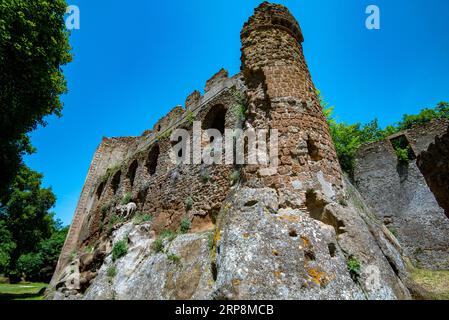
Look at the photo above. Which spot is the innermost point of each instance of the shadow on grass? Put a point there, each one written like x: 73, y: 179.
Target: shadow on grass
x: 23, y: 296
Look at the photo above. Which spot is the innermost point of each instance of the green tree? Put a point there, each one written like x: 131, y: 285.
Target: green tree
x: 33, y: 47
x: 7, y: 246
x: 39, y: 266
x: 348, y: 138
x: 26, y: 215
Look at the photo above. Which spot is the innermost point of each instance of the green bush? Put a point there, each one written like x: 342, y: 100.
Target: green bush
x: 205, y: 177
x: 141, y: 218
x: 168, y: 234
x: 403, y: 154
x: 126, y: 198
x: 111, y: 272
x: 30, y: 264
x: 105, y: 209
x: 211, y: 240
x: 190, y: 117
x: 174, y: 258
x: 158, y: 245
x: 240, y: 111
x: 185, y: 225
x: 354, y: 267
x: 393, y: 231
x: 188, y: 203
x: 119, y: 250
x: 234, y: 177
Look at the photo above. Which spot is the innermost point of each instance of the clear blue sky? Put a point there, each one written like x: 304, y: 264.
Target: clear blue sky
x: 134, y: 61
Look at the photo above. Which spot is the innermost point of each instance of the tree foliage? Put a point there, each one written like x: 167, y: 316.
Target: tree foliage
x: 30, y: 238
x: 39, y: 266
x: 348, y: 138
x: 33, y: 47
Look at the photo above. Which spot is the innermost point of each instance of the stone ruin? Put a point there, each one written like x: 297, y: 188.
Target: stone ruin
x: 302, y: 232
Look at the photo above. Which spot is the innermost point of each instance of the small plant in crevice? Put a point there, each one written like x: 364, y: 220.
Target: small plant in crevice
x: 185, y: 225
x: 240, y: 109
x: 113, y: 220
x: 354, y: 268
x: 174, y: 258
x: 403, y: 149
x: 210, y: 241
x: 158, y: 245
x: 105, y: 209
x: 393, y: 231
x: 126, y: 198
x: 89, y: 249
x: 403, y: 155
x: 190, y: 118
x: 168, y: 234
x: 205, y: 177
x: 119, y: 250
x: 140, y: 218
x: 188, y: 203
x: 111, y: 272
x: 343, y: 202
x: 234, y: 177
x: 164, y: 135
x: 73, y: 255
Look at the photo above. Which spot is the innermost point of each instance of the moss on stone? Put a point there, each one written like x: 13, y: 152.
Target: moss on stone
x: 430, y: 284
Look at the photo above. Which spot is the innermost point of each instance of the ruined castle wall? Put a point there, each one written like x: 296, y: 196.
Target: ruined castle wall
x: 434, y: 164
x: 400, y: 196
x: 142, y: 166
x: 109, y: 153
x: 278, y: 233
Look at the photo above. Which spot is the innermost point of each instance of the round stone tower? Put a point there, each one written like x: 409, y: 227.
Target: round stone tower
x: 282, y: 96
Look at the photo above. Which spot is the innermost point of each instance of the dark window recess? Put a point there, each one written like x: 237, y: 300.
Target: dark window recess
x: 132, y: 172
x: 313, y: 150
x: 100, y: 189
x: 115, y: 183
x: 215, y: 118
x: 403, y: 149
x: 152, y: 160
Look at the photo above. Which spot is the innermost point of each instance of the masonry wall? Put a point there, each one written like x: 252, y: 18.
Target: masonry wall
x: 400, y: 196
x: 109, y: 153
x: 143, y: 167
x: 283, y: 97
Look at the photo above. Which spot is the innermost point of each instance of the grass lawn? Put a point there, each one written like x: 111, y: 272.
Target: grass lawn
x: 22, y: 291
x: 434, y: 284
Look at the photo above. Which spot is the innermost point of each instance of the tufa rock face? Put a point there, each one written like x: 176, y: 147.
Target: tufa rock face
x: 434, y: 164
x: 400, y: 196
x: 298, y: 232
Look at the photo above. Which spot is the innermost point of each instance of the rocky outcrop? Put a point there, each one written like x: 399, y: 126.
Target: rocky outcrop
x: 257, y: 251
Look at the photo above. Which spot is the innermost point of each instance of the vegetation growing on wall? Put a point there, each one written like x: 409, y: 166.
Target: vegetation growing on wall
x: 119, y: 250
x: 348, y: 138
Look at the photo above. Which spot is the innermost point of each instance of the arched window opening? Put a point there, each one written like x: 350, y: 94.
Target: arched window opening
x: 115, y: 183
x: 100, y: 190
x: 215, y: 119
x: 132, y: 172
x: 313, y: 150
x: 152, y: 160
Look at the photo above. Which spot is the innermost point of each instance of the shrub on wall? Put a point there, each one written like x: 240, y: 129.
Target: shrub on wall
x: 119, y: 250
